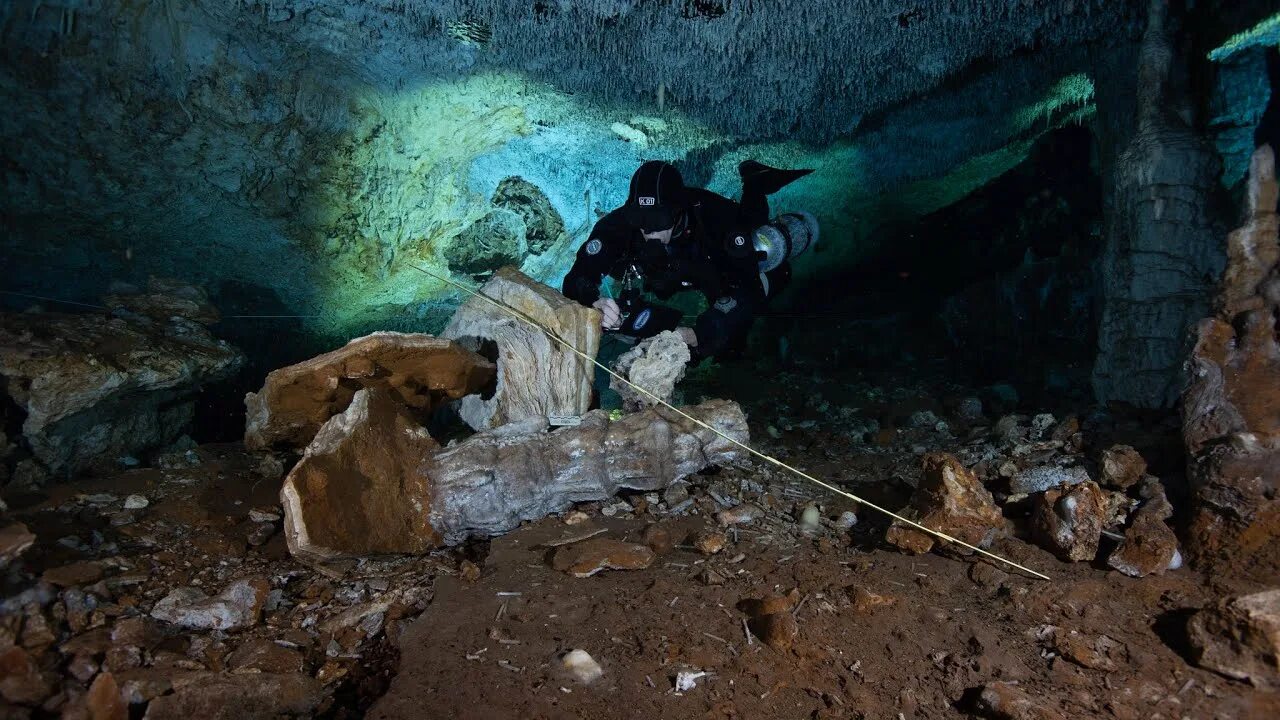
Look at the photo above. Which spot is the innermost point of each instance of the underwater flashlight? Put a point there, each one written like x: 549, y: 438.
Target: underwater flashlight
x: 785, y: 237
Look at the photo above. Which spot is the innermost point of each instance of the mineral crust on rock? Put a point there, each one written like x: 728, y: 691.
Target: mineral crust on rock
x: 951, y: 500
x: 419, y: 371
x: 656, y: 364
x: 537, y: 376
x: 1068, y: 520
x: 95, y: 388
x: 372, y: 483
x: 1231, y: 409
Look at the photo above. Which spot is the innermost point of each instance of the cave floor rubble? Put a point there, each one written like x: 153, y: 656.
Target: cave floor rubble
x: 749, y: 594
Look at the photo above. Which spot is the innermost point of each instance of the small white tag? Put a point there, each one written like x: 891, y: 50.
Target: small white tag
x: 564, y: 420
x: 647, y: 201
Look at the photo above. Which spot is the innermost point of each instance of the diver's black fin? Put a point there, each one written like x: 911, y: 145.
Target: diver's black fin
x: 760, y: 178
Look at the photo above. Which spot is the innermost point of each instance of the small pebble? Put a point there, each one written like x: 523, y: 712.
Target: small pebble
x: 135, y: 502
x: 582, y: 666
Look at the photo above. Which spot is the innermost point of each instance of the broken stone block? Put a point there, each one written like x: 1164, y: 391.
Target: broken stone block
x: 15, y: 539
x: 104, y: 701
x: 1122, y: 467
x: 266, y: 656
x: 588, y: 557
x: 97, y: 388
x: 236, y: 607
x: 1149, y: 546
x: 213, y: 696
x: 537, y: 377
x: 951, y: 500
x: 1006, y: 701
x: 20, y: 679
x: 1240, y: 638
x: 370, y: 484
x: 1041, y: 478
x: 418, y: 371
x: 1068, y: 520
x: 165, y: 298
x: 1231, y: 408
x: 657, y: 364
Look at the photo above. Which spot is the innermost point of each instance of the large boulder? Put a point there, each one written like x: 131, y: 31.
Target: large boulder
x: 95, y: 388
x: 537, y: 376
x: 949, y: 499
x: 418, y: 371
x: 1240, y: 638
x: 1068, y: 520
x: 372, y: 482
x: 1231, y: 409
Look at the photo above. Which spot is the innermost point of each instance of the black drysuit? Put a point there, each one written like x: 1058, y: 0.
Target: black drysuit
x: 713, y: 254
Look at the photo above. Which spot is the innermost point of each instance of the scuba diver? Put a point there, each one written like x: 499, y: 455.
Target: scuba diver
x: 668, y: 238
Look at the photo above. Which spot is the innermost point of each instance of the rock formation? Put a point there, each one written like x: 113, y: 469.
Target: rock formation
x: 1231, y: 409
x: 1068, y: 520
x: 537, y: 376
x: 1149, y: 546
x: 1240, y: 638
x: 419, y: 371
x: 656, y: 364
x: 371, y: 483
x: 951, y: 500
x: 95, y: 388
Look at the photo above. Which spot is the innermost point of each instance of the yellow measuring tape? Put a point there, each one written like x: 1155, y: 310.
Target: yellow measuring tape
x: 554, y: 336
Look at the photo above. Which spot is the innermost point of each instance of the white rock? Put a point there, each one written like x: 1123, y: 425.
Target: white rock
x: 135, y: 502
x: 846, y: 520
x: 810, y: 518
x: 686, y: 680
x: 582, y: 666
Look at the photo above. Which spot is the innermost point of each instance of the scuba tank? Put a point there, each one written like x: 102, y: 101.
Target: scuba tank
x: 784, y: 238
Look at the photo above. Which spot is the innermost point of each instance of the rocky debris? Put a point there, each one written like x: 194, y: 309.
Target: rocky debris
x: 710, y: 542
x: 658, y: 539
x: 656, y: 364
x: 74, y: 574
x: 1240, y: 638
x: 163, y: 300
x: 1149, y: 546
x: 21, y: 681
x: 237, y: 607
x: 1122, y: 467
x: 771, y: 619
x: 1094, y: 653
x: 537, y: 377
x: 249, y: 695
x: 1231, y: 408
x: 543, y: 226
x: 265, y: 656
x: 95, y: 389
x: 951, y: 500
x: 1006, y: 701
x: 1068, y: 520
x: 582, y: 666
x: 370, y: 483
x: 740, y: 514
x: 588, y: 557
x: 1043, y: 477
x: 419, y: 371
x: 104, y: 701
x: 15, y: 539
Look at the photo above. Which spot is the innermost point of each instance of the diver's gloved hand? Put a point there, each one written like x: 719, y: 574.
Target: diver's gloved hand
x: 610, y: 313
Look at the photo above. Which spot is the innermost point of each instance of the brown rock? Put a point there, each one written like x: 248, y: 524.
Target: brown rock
x: 36, y: 632
x: 140, y: 631
x: 709, y: 542
x: 1240, y: 638
x: 211, y: 696
x: 536, y: 376
x: 369, y: 482
x: 265, y: 655
x: 658, y: 539
x: 131, y: 381
x: 1068, y: 520
x: 740, y: 514
x: 865, y: 602
x: 1149, y: 546
x: 777, y: 630
x: 588, y: 557
x: 1122, y: 467
x: 1006, y: 701
x: 20, y: 678
x: 951, y: 500
x: 80, y: 573
x: 14, y: 540
x: 416, y: 371
x: 1231, y: 409
x: 104, y: 699
x: 143, y: 685
x: 82, y: 668
x: 92, y: 644
x: 756, y: 607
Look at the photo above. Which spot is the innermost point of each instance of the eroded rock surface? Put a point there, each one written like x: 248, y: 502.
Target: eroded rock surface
x: 1149, y: 546
x: 419, y: 371
x: 1240, y: 638
x: 951, y: 500
x: 537, y: 376
x: 1069, y: 520
x: 655, y: 364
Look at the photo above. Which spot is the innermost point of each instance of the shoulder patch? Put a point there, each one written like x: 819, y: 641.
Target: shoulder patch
x: 641, y: 319
x: 593, y: 247
x: 738, y: 246
x: 725, y: 304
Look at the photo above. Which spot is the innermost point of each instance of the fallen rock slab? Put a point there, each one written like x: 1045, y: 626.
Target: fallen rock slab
x: 236, y: 607
x: 1122, y: 467
x: 95, y: 388
x: 588, y: 557
x: 1045, y: 477
x: 657, y: 364
x: 1240, y: 637
x: 1149, y: 547
x: 370, y: 483
x: 418, y: 371
x: 241, y: 697
x: 537, y: 377
x: 951, y: 500
x: 1068, y: 521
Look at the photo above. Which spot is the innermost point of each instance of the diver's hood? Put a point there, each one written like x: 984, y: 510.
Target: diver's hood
x: 656, y: 197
